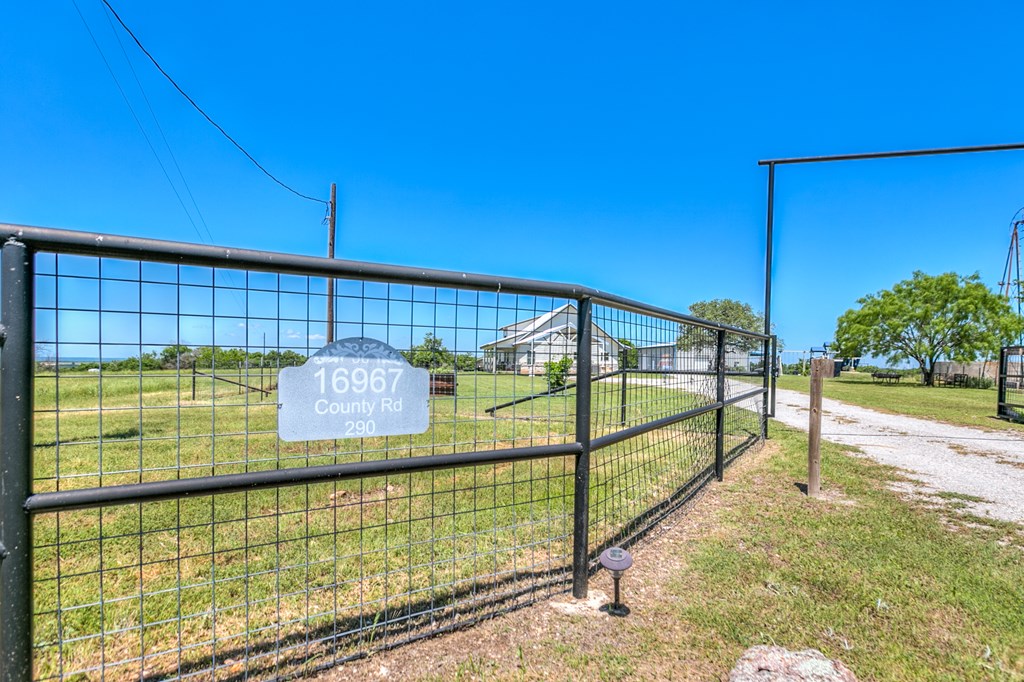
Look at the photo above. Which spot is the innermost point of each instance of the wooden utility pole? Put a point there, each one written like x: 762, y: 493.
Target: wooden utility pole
x: 332, y: 209
x: 818, y: 366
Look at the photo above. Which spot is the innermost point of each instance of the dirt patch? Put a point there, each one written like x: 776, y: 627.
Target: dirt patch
x: 840, y: 419
x: 564, y: 638
x: 591, y: 606
x: 347, y: 497
x: 1010, y: 462
x: 834, y: 495
x: 961, y: 449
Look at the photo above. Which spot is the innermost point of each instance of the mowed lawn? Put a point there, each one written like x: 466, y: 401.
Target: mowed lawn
x: 965, y: 406
x: 183, y: 581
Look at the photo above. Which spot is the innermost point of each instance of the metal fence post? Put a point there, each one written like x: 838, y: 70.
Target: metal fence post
x: 720, y: 412
x: 581, y: 494
x: 767, y: 387
x: 1002, y: 372
x: 16, y: 394
x: 622, y: 368
x: 775, y: 377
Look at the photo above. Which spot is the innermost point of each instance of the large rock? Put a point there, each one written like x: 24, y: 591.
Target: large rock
x: 776, y: 664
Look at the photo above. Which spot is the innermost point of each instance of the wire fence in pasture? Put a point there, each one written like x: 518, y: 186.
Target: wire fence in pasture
x: 155, y: 525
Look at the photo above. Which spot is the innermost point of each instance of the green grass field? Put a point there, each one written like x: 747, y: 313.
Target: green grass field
x: 897, y: 589
x: 167, y: 587
x: 964, y: 406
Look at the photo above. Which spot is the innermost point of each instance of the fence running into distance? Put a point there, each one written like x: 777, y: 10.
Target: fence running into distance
x: 154, y: 526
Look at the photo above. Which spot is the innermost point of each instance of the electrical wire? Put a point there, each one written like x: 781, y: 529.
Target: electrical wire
x: 200, y: 110
x: 163, y: 136
x: 159, y: 128
x: 138, y: 122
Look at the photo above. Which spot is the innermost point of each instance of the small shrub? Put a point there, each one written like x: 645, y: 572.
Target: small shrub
x: 979, y: 382
x: 557, y: 372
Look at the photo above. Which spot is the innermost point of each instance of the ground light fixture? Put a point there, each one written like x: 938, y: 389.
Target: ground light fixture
x: 616, y: 560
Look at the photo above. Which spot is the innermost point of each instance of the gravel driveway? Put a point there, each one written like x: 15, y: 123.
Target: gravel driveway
x: 957, y: 459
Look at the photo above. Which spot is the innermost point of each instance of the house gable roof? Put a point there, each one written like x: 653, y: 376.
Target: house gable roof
x: 533, y: 329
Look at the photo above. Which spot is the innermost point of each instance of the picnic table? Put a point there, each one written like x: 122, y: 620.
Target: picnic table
x: 887, y: 377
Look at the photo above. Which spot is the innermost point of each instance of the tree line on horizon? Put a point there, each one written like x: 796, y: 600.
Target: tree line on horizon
x: 430, y: 354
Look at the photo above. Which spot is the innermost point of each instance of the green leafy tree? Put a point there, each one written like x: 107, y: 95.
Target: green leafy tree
x: 175, y: 356
x: 724, y: 311
x: 631, y: 355
x: 430, y: 354
x: 465, y: 362
x: 288, y: 358
x: 219, y: 358
x: 928, y: 318
x: 145, y: 362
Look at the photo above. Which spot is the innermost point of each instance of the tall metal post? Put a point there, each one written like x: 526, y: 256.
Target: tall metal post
x: 768, y: 290
x: 720, y: 412
x: 331, y: 210
x: 581, y: 494
x: 1003, y: 371
x: 16, y: 367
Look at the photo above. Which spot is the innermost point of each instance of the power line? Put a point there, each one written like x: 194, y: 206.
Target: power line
x: 200, y: 110
x: 138, y: 122
x: 160, y: 129
x: 167, y: 144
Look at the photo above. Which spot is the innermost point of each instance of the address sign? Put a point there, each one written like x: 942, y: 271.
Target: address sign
x: 353, y: 388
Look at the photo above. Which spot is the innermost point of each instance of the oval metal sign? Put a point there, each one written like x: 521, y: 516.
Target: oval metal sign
x: 353, y: 388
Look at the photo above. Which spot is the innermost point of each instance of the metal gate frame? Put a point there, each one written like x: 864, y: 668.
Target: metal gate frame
x: 1008, y: 409
x: 18, y: 502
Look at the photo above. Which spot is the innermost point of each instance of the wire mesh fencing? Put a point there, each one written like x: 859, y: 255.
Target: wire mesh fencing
x: 1010, y: 402
x: 157, y: 527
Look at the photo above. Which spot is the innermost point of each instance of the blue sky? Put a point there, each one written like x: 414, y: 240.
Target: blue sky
x: 594, y: 143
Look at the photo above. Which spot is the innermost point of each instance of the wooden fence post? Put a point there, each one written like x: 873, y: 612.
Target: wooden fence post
x: 818, y: 366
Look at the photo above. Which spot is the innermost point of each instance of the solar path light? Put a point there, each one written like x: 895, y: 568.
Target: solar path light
x: 616, y: 560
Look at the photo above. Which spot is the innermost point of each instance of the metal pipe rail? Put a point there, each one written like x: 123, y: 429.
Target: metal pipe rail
x: 634, y: 431
x: 18, y: 503
x: 548, y: 394
x: 154, y: 491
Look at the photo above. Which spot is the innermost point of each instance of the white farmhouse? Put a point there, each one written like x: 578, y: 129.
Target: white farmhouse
x: 526, y: 345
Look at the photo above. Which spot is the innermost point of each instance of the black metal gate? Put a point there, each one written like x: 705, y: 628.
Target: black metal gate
x: 1011, y: 383
x: 153, y: 526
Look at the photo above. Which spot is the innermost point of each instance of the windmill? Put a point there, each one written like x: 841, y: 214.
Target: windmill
x: 1010, y: 285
